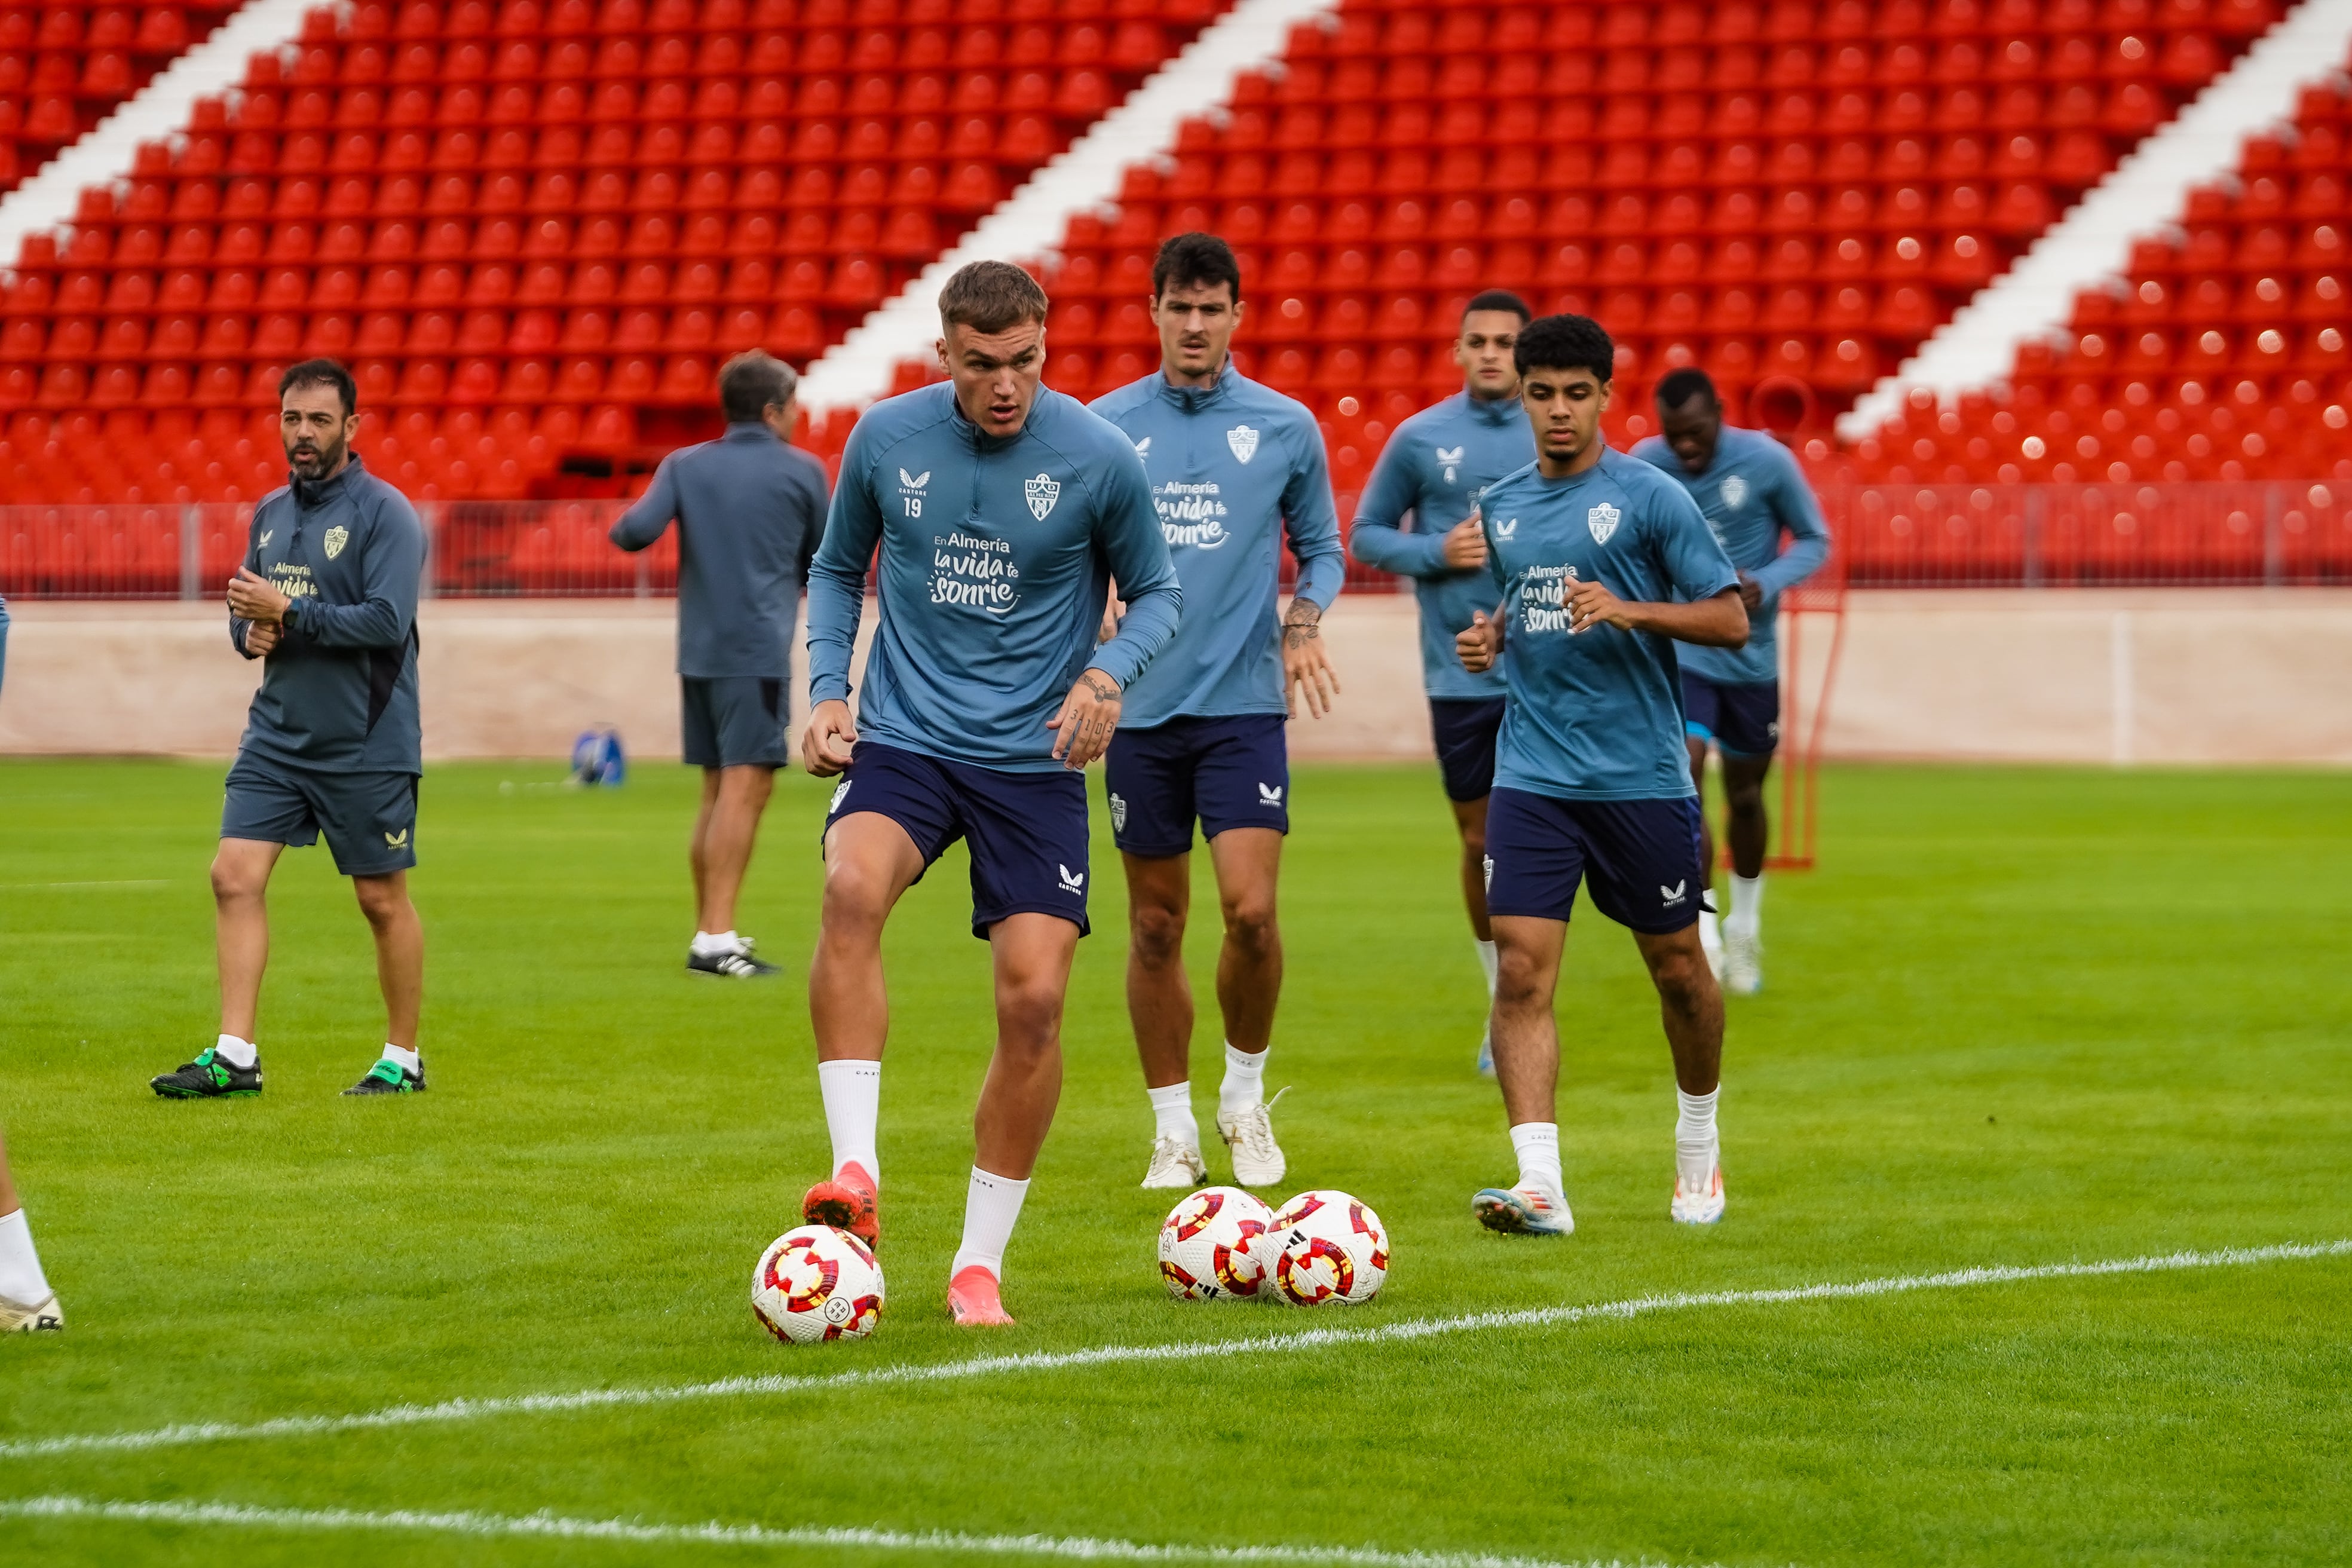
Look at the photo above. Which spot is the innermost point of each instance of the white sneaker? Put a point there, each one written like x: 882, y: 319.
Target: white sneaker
x: 1175, y: 1165
x: 1710, y: 941
x: 1257, y: 1158
x: 16, y: 1318
x: 1486, y: 1050
x: 1700, y: 1206
x: 1742, y: 966
x: 1524, y: 1211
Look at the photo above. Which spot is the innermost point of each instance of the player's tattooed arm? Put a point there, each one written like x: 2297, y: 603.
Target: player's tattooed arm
x: 1089, y: 716
x: 1307, y: 671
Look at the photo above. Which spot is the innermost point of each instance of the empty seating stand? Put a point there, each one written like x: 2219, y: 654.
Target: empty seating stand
x: 531, y: 227
x: 1784, y: 192
x: 2220, y: 354
x: 64, y: 68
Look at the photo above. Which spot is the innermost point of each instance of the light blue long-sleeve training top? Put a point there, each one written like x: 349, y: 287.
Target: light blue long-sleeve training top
x: 1595, y: 714
x: 1435, y: 467
x: 996, y: 558
x: 1235, y: 467
x: 1751, y: 491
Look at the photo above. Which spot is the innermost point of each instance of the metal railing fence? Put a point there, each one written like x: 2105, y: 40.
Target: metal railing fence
x: 2277, y: 533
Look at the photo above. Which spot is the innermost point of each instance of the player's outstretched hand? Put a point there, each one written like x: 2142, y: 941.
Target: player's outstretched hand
x: 1306, y: 673
x: 826, y: 743
x: 260, y: 639
x: 1479, y: 644
x: 1082, y: 729
x: 254, y: 598
x: 1592, y: 601
x: 1465, y: 544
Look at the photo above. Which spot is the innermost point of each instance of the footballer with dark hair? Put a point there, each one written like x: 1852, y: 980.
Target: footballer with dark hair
x: 1431, y: 475
x: 1605, y: 564
x: 1237, y: 470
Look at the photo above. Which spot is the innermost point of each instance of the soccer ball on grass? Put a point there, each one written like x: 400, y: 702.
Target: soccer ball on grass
x: 1213, y: 1245
x: 817, y: 1283
x: 1328, y: 1250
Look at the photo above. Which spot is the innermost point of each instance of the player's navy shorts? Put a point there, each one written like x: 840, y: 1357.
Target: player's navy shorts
x: 733, y: 721
x: 1027, y: 831
x: 1640, y: 858
x: 1742, y: 718
x: 1231, y: 772
x: 369, y: 819
x: 1465, y: 728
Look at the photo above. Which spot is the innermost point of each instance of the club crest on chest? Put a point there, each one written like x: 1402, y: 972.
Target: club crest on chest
x: 1602, y: 521
x: 337, y: 537
x: 1043, y: 492
x: 1243, y: 439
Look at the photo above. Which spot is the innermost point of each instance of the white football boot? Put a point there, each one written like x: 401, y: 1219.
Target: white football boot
x: 1742, y: 964
x: 1701, y: 1204
x: 1710, y: 940
x: 46, y: 1317
x: 1175, y: 1165
x: 1524, y: 1211
x: 1257, y: 1158
x: 1486, y: 1050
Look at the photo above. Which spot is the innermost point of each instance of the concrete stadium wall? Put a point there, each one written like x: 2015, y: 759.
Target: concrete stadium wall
x: 2123, y: 676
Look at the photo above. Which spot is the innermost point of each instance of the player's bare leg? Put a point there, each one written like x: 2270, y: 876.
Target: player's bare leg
x: 869, y: 863
x: 27, y: 1303
x: 399, y: 953
x: 231, y: 1066
x: 725, y: 831
x: 1470, y: 822
x: 1710, y: 931
x: 1249, y: 862
x: 1526, y: 1064
x: 1745, y: 827
x: 1691, y: 1007
x: 1032, y: 953
x: 1160, y: 1006
x: 240, y: 902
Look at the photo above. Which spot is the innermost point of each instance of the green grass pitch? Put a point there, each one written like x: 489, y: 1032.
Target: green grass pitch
x: 2017, y: 1017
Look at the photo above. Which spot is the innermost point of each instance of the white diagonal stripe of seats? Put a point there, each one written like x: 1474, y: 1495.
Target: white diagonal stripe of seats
x: 455, y: 1410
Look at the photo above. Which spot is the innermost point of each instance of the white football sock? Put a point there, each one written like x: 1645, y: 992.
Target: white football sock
x: 1171, y: 1109
x: 236, y: 1052
x: 409, y: 1060
x: 1537, y: 1145
x: 1695, y: 1139
x: 853, y: 1103
x: 1491, y: 961
x: 21, y: 1280
x: 1747, y: 903
x: 1244, y: 1082
x: 712, y: 943
x: 990, y: 1211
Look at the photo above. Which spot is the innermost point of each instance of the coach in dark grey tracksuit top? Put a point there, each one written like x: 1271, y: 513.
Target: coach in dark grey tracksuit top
x: 333, y: 743
x: 749, y: 509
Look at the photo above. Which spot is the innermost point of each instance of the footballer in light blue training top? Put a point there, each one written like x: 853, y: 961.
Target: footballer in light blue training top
x: 1236, y: 469
x: 1001, y: 511
x: 1603, y: 565
x: 1431, y: 475
x: 1752, y: 491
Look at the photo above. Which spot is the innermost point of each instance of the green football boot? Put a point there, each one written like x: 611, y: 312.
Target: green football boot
x: 211, y: 1076
x: 388, y: 1077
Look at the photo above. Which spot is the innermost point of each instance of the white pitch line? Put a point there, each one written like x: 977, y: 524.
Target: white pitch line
x: 548, y: 1526
x: 1107, y: 1355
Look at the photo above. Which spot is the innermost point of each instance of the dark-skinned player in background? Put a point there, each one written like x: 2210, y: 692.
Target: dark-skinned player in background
x: 1751, y: 491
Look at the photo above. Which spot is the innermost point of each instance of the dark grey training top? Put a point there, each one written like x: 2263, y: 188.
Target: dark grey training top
x: 750, y: 510
x: 339, y: 692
